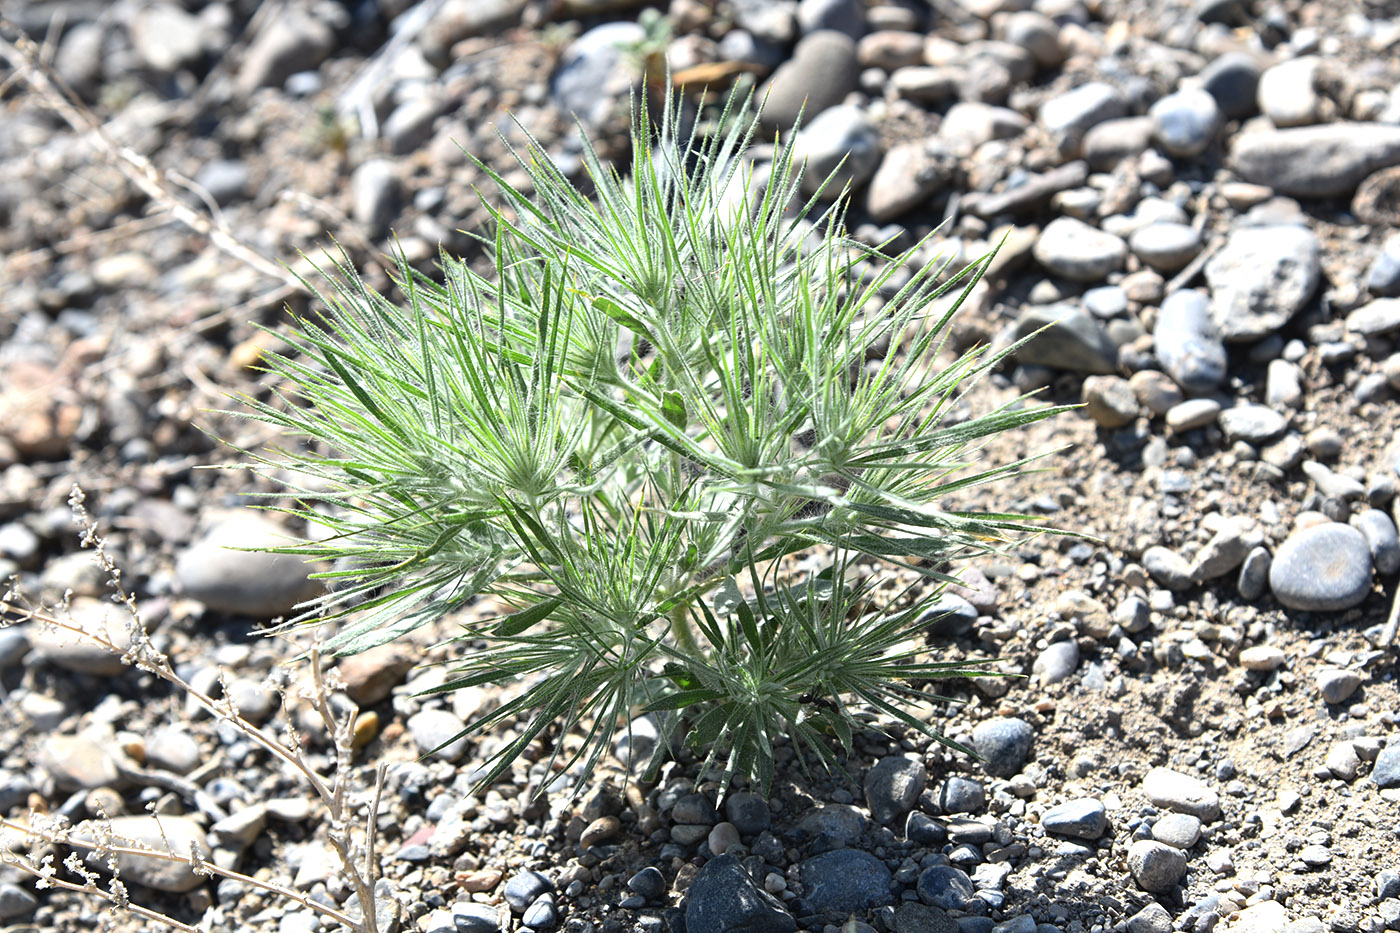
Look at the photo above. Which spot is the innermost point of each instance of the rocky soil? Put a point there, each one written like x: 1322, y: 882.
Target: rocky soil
x: 1201, y: 195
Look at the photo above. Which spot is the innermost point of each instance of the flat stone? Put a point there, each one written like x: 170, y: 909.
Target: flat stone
x: 1179, y: 830
x: 1085, y: 818
x: 1254, y: 424
x: 1260, y: 278
x: 1181, y: 793
x: 1112, y: 141
x: 1225, y: 550
x: 1262, y: 658
x: 79, y: 762
x: 1168, y: 568
x: 1263, y: 917
x: 75, y: 652
x: 724, y: 897
x: 843, y: 882
x: 1336, y: 685
x: 1166, y: 247
x: 1074, y: 250
x: 1188, y: 343
x: 1057, y: 662
x: 1381, y: 316
x: 1076, y: 341
x: 1070, y: 115
x: 1324, y: 161
x: 841, y: 148
x: 1324, y: 568
x: 248, y: 583
x: 909, y: 174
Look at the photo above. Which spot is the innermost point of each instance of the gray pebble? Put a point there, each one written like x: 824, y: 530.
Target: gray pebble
x: 15, y: 902
x: 946, y: 887
x: 1110, y: 401
x: 1156, y: 867
x: 1254, y: 574
x: 1113, y: 141
x: 541, y: 915
x: 467, y: 917
x: 439, y: 732
x: 1260, y: 278
x: 1323, y: 161
x: 1168, y: 568
x: 1283, y: 385
x: 834, y: 825
x: 1381, y: 316
x: 14, y: 645
x: 1288, y: 93
x: 922, y: 829
x: 1166, y: 247
x: 840, y: 144
x: 1187, y: 343
x: 1383, y: 539
x: 1076, y: 341
x: 649, y: 883
x: 948, y: 616
x: 1057, y: 662
x: 1185, y: 122
x: 1233, y: 79
x: 1155, y: 391
x: 1336, y: 685
x: 1070, y: 115
x: 748, y: 812
x: 1154, y: 918
x: 1386, y: 771
x: 845, y: 16
x: 724, y: 897
x: 1085, y: 818
x: 1225, y: 551
x: 908, y: 175
x: 1323, y: 568
x: 1253, y: 424
x: 843, y: 881
x: 1179, y: 830
x: 961, y: 795
x: 1181, y: 793
x: 293, y: 42
x: 1383, y: 278
x: 893, y: 786
x: 1072, y: 249
x: 1004, y: 743
x: 1331, y: 484
x: 226, y: 180
x: 375, y: 196
x: 822, y: 71
x: 178, y: 833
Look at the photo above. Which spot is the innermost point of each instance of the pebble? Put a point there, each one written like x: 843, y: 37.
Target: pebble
x: 890, y: 49
x: 1336, y: 685
x: 1254, y: 424
x: 1181, y: 793
x: 1057, y: 662
x: 541, y: 915
x: 1072, y: 249
x: 724, y: 897
x: 1381, y: 316
x: 722, y: 838
x: 822, y: 71
x: 1325, y: 442
x: 1187, y: 343
x: 843, y: 882
x: 834, y: 825
x: 1180, y: 830
x: 649, y: 883
x: 1166, y: 247
x: 846, y: 16
x: 1283, y: 385
x: 79, y: 762
x: 1085, y: 818
x: 948, y: 615
x: 1110, y: 401
x: 225, y: 180
x: 1343, y: 761
x: 841, y: 148
x: 748, y: 812
x: 1262, y: 658
x: 945, y: 887
x: 908, y: 175
x: 1225, y: 550
x: 74, y: 652
x: 1383, y: 277
x: 370, y: 675
x: 1185, y: 122
x: 438, y: 732
x: 1168, y: 568
x: 1260, y: 278
x: 1382, y: 538
x: 961, y: 795
x: 1157, y: 392
x: 375, y: 196
x: 246, y: 583
x: 1324, y: 568
x: 1072, y: 339
x: 1070, y: 115
x: 1154, y: 918
x: 15, y: 902
x: 1263, y: 917
x: 922, y: 829
x: 467, y: 917
x: 1156, y: 867
x: 1004, y: 743
x: 173, y: 748
x: 239, y: 830
x: 1233, y: 80
x: 1113, y: 141
x: 1324, y: 161
x: 1385, y: 773
x: 893, y: 786
x: 913, y: 917
x: 1288, y: 92
x: 294, y: 42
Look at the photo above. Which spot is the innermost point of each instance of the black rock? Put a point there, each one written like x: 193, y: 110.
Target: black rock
x: 748, y: 812
x: 724, y: 899
x: 844, y: 882
x: 525, y: 888
x: 1004, y: 744
x: 946, y: 887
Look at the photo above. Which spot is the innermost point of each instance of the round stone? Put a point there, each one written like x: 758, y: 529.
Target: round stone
x: 1110, y: 401
x: 1337, y: 684
x: 844, y: 881
x: 1166, y: 247
x: 1168, y: 568
x: 438, y: 732
x: 1181, y: 793
x: 1004, y: 743
x: 1324, y: 568
x: 946, y: 887
x: 649, y: 883
x: 1155, y: 391
x: 1185, y: 122
x: 748, y: 812
x: 524, y: 888
x: 1253, y: 424
x: 893, y: 786
x: 961, y: 795
x: 1057, y: 662
x: 1156, y: 866
x: 1179, y: 830
x: 1383, y: 539
x: 1074, y: 250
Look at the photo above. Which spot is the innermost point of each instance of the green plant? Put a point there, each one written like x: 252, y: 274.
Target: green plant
x: 625, y: 437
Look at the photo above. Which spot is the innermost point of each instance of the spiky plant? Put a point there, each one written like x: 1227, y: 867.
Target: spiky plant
x: 663, y: 390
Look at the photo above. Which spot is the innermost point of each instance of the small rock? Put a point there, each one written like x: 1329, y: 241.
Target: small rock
x: 1187, y: 343
x: 77, y: 652
x: 1336, y: 684
x: 722, y: 838
x: 1254, y: 574
x: 1263, y: 917
x: 79, y: 762
x: 1185, y: 122
x: 1110, y: 401
x: 1343, y: 761
x: 724, y: 897
x: 226, y: 180
x: 1260, y: 278
x: 467, y: 917
x: 1168, y: 568
x: 1288, y: 92
x: 946, y: 888
x: 1262, y: 658
x: 1076, y: 341
x: 541, y: 915
x: 843, y: 882
x: 1225, y: 551
x: 1383, y: 278
x: 1381, y: 316
x: 1057, y: 662
x: 1153, y: 918
x: 1324, y: 568
x: 1324, y: 161
x: 961, y: 795
x: 239, y: 830
x: 1181, y: 793
x: 375, y: 194
x: 1004, y: 743
x: 1085, y: 818
x: 748, y: 812
x: 822, y: 71
x: 649, y: 883
x: 909, y: 174
x: 15, y: 902
x: 1254, y: 424
x: 1165, y: 247
x: 175, y: 834
x: 1113, y: 141
x: 1386, y: 771
x: 1070, y: 115
x: 524, y: 888
x: 291, y: 42
x: 174, y: 749
x: 1156, y: 867
x: 371, y: 675
x: 893, y: 786
x: 438, y: 732
x: 1382, y: 537
x: 1233, y: 80
x: 1074, y: 250
x: 249, y: 583
x: 1179, y: 830
x: 1157, y: 392
x: 913, y: 917
x: 840, y: 146
x: 1283, y: 386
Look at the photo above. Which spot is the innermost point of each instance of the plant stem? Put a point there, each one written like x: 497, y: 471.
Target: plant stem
x: 685, y: 634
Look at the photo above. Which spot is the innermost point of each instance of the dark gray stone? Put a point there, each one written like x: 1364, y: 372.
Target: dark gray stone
x: 1085, y: 818
x: 1233, y: 80
x: 822, y: 71
x: 594, y: 72
x: 893, y: 786
x: 1004, y: 744
x: 922, y: 829
x: 961, y: 795
x: 524, y: 888
x: 649, y: 883
x: 844, y: 882
x: 541, y: 915
x: 748, y: 812
x: 723, y: 898
x: 15, y: 902
x: 1072, y: 340
x: 1383, y: 278
x: 946, y: 887
x: 475, y: 918
x: 1156, y: 866
x: 833, y: 827
x: 948, y: 616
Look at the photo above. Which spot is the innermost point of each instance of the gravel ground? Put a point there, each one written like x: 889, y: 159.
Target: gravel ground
x: 1202, y: 195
